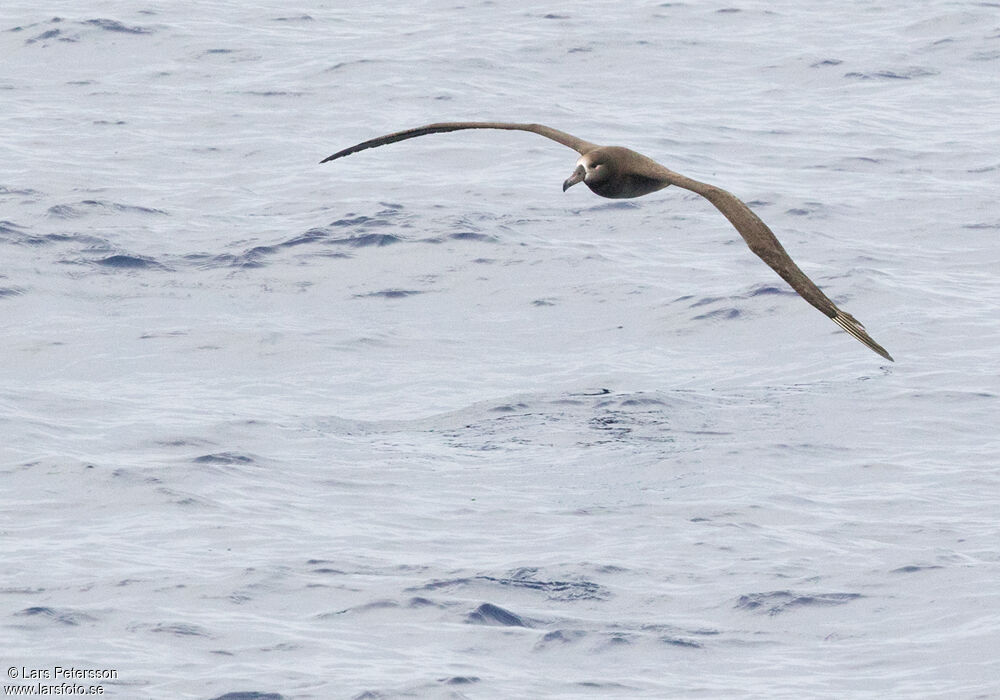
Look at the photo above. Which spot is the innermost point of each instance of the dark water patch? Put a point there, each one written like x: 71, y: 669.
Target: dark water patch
x: 630, y: 420
x: 129, y: 262
x: 132, y: 476
x: 366, y: 240
x: 509, y: 408
x: 329, y: 571
x: 718, y: 315
x: 953, y: 396
x: 380, y: 218
x: 180, y: 629
x: 313, y: 235
x: 87, y: 206
x: 20, y: 28
x: 472, y: 236
x: 269, y: 93
x: 643, y: 401
x: 975, y: 227
x: 9, y: 228
x: 389, y: 294
x: 682, y: 642
x: 700, y: 302
x: 560, y: 638
x: 489, y: 614
x: 607, y: 685
x: 345, y: 64
x: 224, y: 458
x: 300, y: 18
x: 63, y: 33
x: 543, y: 302
x: 250, y: 695
x: 421, y: 602
x: 984, y: 56
x: 554, y: 590
x: 128, y: 208
x: 769, y: 290
x: 775, y: 602
x: 179, y: 442
x: 20, y: 191
x: 51, y: 34
x: 826, y: 62
x: 908, y: 74
x: 525, y: 578
x: 64, y: 211
x: 11, y: 292
x: 246, y: 260
x: 322, y: 566
x: 728, y: 10
x: 105, y: 122
x: 617, y: 423
x: 71, y: 618
x: 165, y: 334
x: 459, y: 680
x: 610, y: 569
x: 112, y: 25
x: 914, y: 568
x: 374, y: 605
x: 323, y: 236
x: 260, y: 251
x: 617, y: 639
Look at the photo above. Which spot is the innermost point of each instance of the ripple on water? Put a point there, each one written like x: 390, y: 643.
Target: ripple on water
x: 775, y: 602
x: 490, y: 614
x: 74, y: 31
x: 130, y: 262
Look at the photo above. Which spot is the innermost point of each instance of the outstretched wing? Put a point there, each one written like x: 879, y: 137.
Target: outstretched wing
x: 578, y: 145
x: 764, y: 243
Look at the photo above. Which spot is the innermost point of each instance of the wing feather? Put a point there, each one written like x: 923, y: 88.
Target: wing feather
x: 766, y: 246
x: 578, y: 145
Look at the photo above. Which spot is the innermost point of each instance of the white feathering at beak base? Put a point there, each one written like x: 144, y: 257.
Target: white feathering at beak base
x: 578, y: 176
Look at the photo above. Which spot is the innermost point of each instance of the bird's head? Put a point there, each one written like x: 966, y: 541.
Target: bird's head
x: 591, y: 168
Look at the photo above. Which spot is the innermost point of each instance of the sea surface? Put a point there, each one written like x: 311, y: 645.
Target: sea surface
x: 418, y: 424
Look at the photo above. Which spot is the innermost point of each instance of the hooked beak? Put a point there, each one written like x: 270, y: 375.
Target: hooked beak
x: 576, y: 177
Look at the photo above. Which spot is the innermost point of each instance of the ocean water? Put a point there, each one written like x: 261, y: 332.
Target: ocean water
x: 416, y: 423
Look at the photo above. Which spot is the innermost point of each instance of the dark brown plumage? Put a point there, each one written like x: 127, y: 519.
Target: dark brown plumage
x: 616, y: 172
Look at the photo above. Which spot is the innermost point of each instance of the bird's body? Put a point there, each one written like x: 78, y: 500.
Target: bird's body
x: 620, y: 173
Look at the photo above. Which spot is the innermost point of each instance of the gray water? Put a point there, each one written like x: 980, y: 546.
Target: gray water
x: 416, y: 423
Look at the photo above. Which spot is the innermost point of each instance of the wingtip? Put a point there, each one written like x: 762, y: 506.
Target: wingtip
x: 338, y: 154
x: 854, y: 327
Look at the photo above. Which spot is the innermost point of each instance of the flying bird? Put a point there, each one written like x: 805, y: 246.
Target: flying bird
x: 621, y: 173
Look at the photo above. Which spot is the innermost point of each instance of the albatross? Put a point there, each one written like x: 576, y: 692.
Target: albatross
x: 621, y: 173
